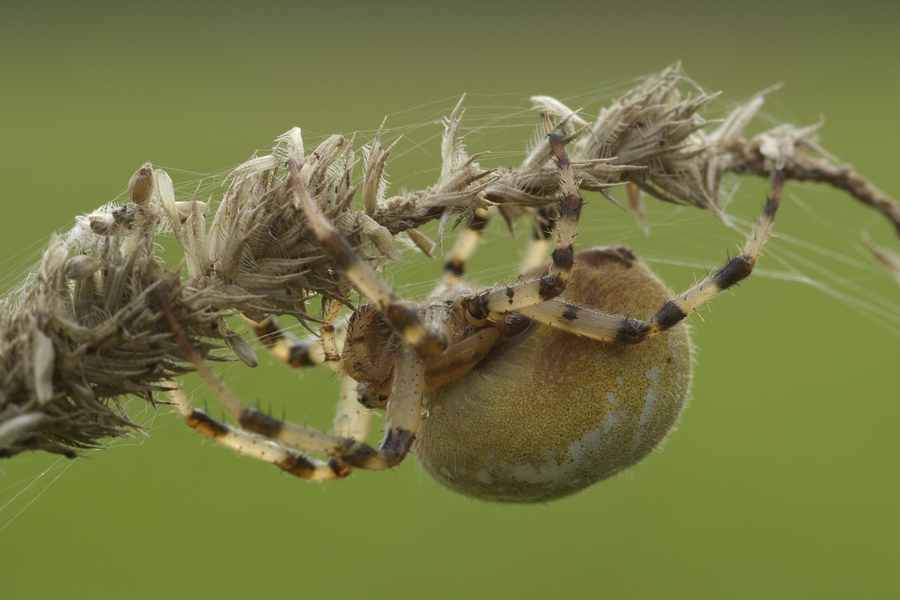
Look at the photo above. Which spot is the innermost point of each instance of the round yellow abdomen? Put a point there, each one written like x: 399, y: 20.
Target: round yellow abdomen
x: 550, y: 413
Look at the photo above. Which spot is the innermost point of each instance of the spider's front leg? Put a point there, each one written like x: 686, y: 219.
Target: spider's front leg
x: 401, y: 317
x: 256, y: 446
x: 404, y: 414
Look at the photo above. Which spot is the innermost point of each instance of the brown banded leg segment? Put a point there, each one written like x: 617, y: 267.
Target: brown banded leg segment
x: 331, y: 335
x: 294, y: 352
x: 625, y: 330
x: 733, y: 271
x: 352, y: 419
x: 402, y: 318
x: 464, y: 247
x: 257, y: 446
x: 304, y: 352
x: 493, y: 305
x: 403, y: 411
x: 404, y: 414
x: 542, y: 229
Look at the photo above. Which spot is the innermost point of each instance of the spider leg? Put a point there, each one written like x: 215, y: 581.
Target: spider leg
x: 542, y: 228
x: 257, y: 446
x: 308, y: 351
x: 625, y: 330
x: 330, y: 334
x: 494, y: 304
x: 464, y: 247
x: 404, y: 414
x: 294, y: 352
x: 400, y: 316
x: 352, y: 419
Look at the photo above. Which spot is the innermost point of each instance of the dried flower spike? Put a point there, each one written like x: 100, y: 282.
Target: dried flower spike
x: 86, y: 328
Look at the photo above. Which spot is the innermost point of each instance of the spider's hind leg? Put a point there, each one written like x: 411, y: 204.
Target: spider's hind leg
x: 625, y: 330
x: 257, y: 446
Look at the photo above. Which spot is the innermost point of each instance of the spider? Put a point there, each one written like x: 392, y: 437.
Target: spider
x: 530, y: 391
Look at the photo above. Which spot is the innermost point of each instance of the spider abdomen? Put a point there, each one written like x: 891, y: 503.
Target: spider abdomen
x: 551, y: 413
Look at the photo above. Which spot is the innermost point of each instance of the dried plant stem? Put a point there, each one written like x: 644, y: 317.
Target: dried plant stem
x: 85, y: 329
x: 807, y: 168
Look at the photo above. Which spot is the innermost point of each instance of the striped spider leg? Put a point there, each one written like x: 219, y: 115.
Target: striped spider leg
x: 464, y: 248
x: 276, y: 439
x: 625, y: 330
x: 351, y: 419
x: 495, y: 304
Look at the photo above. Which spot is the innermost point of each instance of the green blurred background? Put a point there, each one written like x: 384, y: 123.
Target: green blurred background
x: 782, y: 480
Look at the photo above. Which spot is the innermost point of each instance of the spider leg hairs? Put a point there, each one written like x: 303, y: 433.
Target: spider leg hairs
x: 468, y: 377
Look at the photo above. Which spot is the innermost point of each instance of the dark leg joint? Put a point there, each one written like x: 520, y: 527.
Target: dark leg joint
x: 394, y: 449
x: 478, y: 222
x: 268, y: 332
x: 397, y: 443
x: 453, y: 267
x: 735, y: 270
x: 298, y: 466
x: 477, y: 307
x: 360, y: 455
x: 551, y: 286
x: 632, y: 331
x: 669, y: 315
x: 564, y: 258
x: 259, y: 422
x: 205, y: 424
x: 543, y: 225
x: 298, y: 356
x: 570, y: 206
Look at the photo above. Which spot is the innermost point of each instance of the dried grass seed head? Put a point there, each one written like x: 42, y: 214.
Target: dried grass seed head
x: 84, y: 330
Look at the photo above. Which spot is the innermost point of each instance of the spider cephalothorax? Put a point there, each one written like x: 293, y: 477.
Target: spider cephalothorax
x: 532, y: 390
x: 370, y: 344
